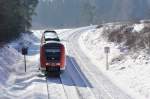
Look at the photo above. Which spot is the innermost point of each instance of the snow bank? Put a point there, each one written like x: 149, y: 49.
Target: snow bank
x: 15, y: 83
x: 128, y: 69
x: 8, y: 57
x: 138, y: 27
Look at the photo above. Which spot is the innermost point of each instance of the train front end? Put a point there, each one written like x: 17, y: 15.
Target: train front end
x: 52, y: 57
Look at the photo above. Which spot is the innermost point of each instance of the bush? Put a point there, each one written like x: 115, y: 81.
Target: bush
x: 124, y: 34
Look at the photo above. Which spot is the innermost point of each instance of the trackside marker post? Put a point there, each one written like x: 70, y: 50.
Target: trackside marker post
x: 25, y: 52
x: 107, y: 51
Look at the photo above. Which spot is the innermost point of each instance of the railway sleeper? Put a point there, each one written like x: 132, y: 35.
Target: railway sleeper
x: 52, y: 71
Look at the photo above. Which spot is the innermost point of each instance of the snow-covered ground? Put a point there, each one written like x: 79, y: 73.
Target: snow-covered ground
x: 15, y: 83
x: 128, y: 70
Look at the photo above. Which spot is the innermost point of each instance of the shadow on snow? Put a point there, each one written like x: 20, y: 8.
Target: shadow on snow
x: 72, y: 76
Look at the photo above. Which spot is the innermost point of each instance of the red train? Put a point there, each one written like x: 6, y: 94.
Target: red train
x: 52, y: 53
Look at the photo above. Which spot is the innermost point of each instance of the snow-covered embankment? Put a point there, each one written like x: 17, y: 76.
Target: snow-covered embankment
x: 129, y: 60
x: 15, y: 83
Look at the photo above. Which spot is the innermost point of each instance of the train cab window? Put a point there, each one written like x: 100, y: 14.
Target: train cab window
x: 51, y: 36
x: 53, y: 54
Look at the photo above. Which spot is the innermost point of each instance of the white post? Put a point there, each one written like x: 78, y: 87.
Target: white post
x: 25, y: 63
x: 107, y: 50
x: 107, y: 66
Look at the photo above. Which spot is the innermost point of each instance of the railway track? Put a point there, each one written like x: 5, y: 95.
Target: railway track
x: 81, y: 79
x: 72, y: 84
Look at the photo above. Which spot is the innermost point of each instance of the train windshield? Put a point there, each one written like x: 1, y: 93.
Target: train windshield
x: 53, y: 54
x: 50, y: 35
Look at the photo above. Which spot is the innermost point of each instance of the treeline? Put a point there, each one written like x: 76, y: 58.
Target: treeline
x: 71, y: 13
x: 15, y: 17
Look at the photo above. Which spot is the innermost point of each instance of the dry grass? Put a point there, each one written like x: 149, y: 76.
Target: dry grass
x: 124, y: 34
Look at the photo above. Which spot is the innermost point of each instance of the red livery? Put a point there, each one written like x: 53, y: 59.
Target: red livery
x: 52, y: 53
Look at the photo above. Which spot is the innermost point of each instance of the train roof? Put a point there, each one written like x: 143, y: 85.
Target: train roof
x: 50, y: 42
x: 51, y: 35
x: 50, y: 32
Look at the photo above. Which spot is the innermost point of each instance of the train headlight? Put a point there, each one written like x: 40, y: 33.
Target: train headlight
x: 47, y: 64
x: 57, y: 63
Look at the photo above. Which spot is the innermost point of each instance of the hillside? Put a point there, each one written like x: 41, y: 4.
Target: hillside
x: 129, y: 57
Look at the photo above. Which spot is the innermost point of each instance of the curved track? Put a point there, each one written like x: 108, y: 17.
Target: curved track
x: 81, y: 79
x: 72, y: 84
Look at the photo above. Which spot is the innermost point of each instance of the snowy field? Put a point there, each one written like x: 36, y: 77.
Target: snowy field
x: 86, y: 76
x: 128, y: 70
